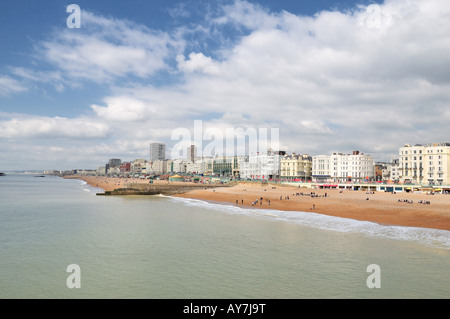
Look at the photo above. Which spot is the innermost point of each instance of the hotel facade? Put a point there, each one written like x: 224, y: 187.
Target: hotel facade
x: 425, y: 164
x: 296, y: 166
x: 339, y: 167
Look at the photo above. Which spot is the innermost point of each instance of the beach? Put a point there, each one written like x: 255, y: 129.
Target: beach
x: 402, y: 209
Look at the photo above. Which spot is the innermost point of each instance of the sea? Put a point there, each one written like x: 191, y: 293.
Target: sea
x: 58, y: 239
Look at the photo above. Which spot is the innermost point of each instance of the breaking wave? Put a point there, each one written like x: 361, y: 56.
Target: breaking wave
x: 432, y: 237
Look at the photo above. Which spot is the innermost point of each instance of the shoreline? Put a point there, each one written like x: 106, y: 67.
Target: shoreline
x: 382, y: 208
x: 379, y: 207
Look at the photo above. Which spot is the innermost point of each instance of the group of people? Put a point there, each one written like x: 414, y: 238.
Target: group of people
x: 311, y: 194
x: 410, y: 201
x: 258, y: 200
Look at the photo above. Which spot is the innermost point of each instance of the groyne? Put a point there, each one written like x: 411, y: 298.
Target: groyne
x: 163, y: 189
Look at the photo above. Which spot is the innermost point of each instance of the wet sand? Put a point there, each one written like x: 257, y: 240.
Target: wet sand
x: 378, y: 207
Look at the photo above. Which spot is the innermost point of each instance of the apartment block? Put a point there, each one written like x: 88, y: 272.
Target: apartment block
x: 425, y: 164
x: 339, y: 167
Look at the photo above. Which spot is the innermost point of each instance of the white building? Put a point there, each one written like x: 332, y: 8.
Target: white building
x: 138, y: 166
x: 199, y: 167
x: 101, y: 170
x: 394, y: 170
x: 156, y: 167
x: 261, y: 166
x: 425, y: 164
x: 339, y: 167
x: 178, y: 166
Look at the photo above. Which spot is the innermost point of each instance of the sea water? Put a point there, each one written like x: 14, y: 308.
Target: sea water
x: 166, y: 247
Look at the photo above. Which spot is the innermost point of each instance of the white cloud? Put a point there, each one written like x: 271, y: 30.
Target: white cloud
x: 371, y: 79
x: 106, y: 49
x: 246, y: 14
x: 123, y: 109
x: 371, y: 76
x: 52, y: 128
x: 9, y: 85
x: 198, y: 62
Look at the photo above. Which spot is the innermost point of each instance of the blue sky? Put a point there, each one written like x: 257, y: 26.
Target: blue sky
x: 331, y: 75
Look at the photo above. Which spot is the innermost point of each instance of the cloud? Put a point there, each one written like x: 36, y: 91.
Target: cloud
x: 52, y: 128
x: 53, y: 77
x: 371, y: 78
x: 105, y: 49
x: 122, y: 109
x: 198, y: 63
x: 9, y: 86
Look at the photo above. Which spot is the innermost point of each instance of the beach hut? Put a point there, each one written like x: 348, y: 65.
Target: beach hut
x: 176, y: 178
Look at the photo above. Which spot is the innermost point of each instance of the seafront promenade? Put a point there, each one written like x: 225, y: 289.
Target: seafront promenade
x: 373, y: 186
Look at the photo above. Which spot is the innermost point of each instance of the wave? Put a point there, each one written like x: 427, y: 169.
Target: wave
x: 432, y: 237
x: 86, y: 187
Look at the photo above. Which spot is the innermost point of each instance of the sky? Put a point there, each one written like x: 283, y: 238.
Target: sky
x: 330, y: 76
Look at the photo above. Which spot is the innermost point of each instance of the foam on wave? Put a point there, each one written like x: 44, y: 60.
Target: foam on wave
x: 433, y: 237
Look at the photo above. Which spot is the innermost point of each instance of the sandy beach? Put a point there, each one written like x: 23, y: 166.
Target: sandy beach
x: 401, y: 209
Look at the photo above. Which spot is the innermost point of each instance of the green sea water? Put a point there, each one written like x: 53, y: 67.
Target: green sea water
x: 163, y: 247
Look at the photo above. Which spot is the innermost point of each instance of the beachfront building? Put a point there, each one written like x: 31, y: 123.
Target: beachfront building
x: 339, y: 167
x: 425, y: 164
x: 198, y: 167
x: 321, y: 168
x: 381, y: 170
x: 157, y: 152
x: 125, y: 168
x: 261, y: 166
x: 227, y: 166
x: 178, y: 166
x: 157, y: 167
x: 296, y: 167
x: 101, y: 170
x: 394, y: 170
x: 114, y: 170
x: 138, y: 166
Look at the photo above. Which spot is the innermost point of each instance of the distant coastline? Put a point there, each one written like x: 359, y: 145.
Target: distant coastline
x: 402, y: 209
